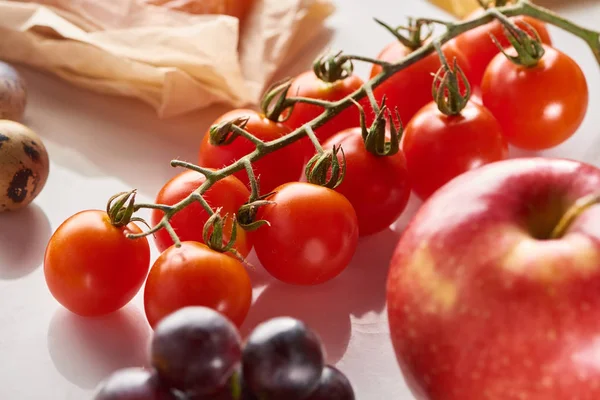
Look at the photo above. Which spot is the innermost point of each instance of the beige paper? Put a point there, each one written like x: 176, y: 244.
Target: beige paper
x: 174, y: 61
x: 458, y: 8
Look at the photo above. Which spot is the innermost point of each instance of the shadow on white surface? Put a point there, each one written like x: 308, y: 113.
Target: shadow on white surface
x: 258, y: 275
x: 321, y: 307
x: 87, y: 350
x: 414, y: 203
x: 326, y: 308
x: 367, y: 276
x: 24, y: 235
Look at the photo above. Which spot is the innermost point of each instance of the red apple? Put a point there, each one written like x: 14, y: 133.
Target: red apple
x: 485, y: 303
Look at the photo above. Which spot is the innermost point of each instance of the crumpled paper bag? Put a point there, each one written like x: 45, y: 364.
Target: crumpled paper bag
x: 174, y: 61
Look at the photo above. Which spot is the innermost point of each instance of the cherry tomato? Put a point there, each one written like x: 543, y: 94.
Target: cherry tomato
x: 229, y: 194
x: 439, y: 147
x: 312, y: 236
x: 377, y: 186
x: 195, y: 275
x: 309, y: 85
x: 281, y: 166
x: 479, y: 48
x: 91, y: 267
x: 539, y: 107
x: 410, y: 89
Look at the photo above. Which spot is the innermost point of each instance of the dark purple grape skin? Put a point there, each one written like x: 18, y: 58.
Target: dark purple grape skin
x: 133, y: 384
x: 334, y: 385
x: 196, y: 350
x: 228, y: 392
x: 282, y: 359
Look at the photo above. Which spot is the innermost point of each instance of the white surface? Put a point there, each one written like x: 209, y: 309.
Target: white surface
x: 100, y: 146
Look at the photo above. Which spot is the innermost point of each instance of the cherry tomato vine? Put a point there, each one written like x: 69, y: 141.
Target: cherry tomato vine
x: 222, y: 196
x: 325, y: 168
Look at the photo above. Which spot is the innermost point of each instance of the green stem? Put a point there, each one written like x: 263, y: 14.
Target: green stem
x: 244, y: 133
x: 255, y: 192
x: 171, y: 232
x: 371, y: 96
x: 313, y: 138
x: 321, y: 103
x: 370, y: 60
x: 204, y: 171
x: 592, y: 38
x: 522, y: 7
x: 162, y: 207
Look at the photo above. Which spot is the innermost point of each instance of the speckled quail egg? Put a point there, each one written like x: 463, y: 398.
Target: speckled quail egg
x: 24, y: 165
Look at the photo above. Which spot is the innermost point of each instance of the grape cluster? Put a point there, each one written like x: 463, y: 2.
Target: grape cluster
x: 197, y: 354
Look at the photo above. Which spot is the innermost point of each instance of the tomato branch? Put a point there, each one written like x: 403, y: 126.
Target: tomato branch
x: 254, y: 187
x: 204, y: 171
x: 370, y: 60
x: 592, y: 38
x: 290, y: 101
x: 334, y: 68
x: 245, y: 134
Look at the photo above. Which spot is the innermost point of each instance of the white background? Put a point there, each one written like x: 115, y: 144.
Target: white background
x: 100, y: 146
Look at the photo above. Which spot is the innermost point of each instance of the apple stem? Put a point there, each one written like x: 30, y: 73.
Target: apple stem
x: 581, y: 205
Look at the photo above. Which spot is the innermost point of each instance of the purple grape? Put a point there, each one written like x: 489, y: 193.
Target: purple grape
x: 283, y: 359
x: 133, y: 384
x: 235, y: 389
x: 333, y: 386
x: 196, y: 350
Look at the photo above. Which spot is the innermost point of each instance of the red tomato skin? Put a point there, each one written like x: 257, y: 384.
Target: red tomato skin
x: 479, y: 48
x: 229, y: 194
x: 540, y: 107
x: 274, y: 169
x: 312, y: 237
x: 90, y: 266
x: 409, y: 90
x: 309, y: 85
x: 438, y: 148
x: 377, y: 186
x: 195, y: 275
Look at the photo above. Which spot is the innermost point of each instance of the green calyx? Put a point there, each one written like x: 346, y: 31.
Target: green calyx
x: 325, y: 169
x: 213, y: 233
x: 274, y: 102
x: 374, y: 136
x: 527, y: 43
x: 223, y: 134
x: 446, y: 89
x: 333, y: 68
x: 415, y: 34
x: 120, y: 208
x: 246, y: 216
